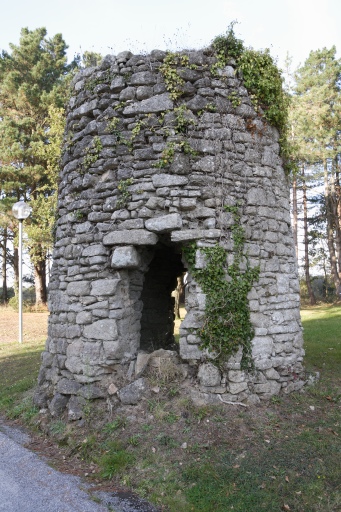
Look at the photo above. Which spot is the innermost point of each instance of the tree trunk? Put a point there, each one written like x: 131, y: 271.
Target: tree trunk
x: 4, y: 268
x: 40, y: 283
x: 338, y: 213
x: 330, y: 233
x: 306, y: 244
x: 294, y: 214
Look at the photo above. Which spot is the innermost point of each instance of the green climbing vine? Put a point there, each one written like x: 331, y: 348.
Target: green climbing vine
x: 174, y: 82
x: 171, y: 148
x: 92, y: 153
x: 123, y: 192
x: 227, y: 324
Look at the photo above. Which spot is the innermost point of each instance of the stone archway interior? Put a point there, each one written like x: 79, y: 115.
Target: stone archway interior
x: 157, y: 322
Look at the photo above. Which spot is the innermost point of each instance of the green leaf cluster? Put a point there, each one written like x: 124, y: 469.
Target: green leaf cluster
x: 261, y: 77
x: 171, y: 148
x: 227, y: 324
x: 174, y: 82
x: 92, y: 153
x: 123, y: 192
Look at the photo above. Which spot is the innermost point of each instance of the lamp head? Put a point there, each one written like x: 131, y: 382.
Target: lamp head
x: 21, y: 210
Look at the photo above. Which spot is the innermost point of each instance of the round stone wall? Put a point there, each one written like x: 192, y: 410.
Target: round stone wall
x: 148, y: 166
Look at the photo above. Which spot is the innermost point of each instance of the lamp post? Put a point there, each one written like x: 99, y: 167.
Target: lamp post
x: 21, y: 211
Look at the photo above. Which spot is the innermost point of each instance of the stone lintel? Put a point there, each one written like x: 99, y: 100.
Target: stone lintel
x: 130, y: 237
x: 187, y: 235
x: 164, y: 223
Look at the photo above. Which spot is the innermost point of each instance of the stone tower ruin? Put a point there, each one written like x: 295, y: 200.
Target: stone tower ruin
x: 156, y: 146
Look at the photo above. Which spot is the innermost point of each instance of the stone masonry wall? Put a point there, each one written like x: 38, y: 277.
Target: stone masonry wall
x: 144, y: 172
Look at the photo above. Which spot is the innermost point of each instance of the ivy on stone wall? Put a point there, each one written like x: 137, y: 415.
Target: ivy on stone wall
x: 261, y: 77
x: 174, y: 83
x: 227, y: 324
x: 92, y: 154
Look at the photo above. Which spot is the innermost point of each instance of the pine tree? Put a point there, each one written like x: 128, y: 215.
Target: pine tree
x: 316, y: 121
x: 33, y: 78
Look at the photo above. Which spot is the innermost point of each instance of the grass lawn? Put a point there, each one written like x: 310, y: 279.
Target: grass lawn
x: 282, y: 455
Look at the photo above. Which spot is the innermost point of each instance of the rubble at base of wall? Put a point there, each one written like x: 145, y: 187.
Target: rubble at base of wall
x: 204, y: 384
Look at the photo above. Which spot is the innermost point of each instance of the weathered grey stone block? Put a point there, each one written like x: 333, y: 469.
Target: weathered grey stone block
x: 58, y: 404
x: 125, y: 257
x: 101, y: 330
x: 68, y: 387
x: 209, y: 375
x: 91, y: 391
x: 78, y: 288
x: 85, y: 109
x: 94, y: 250
x: 262, y: 346
x: 130, y: 237
x: 112, y: 350
x: 193, y: 320
x: 189, y: 351
x: 159, y: 103
x: 168, y: 180
x: 237, y: 387
x: 164, y: 223
x: 117, y: 84
x: 74, y: 365
x: 142, y: 361
x: 131, y: 394
x: 194, y: 234
x: 75, y: 407
x: 263, y: 364
x: 236, y: 376
x: 104, y: 287
x: 143, y: 78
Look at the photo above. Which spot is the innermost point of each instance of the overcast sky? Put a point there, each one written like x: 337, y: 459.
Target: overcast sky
x: 111, y: 26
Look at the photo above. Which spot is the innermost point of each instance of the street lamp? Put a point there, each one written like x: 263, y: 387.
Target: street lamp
x: 21, y: 211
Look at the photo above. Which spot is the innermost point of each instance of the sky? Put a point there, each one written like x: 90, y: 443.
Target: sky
x: 293, y: 27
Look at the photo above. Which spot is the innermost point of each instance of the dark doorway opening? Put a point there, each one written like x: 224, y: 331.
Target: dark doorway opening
x: 157, y: 322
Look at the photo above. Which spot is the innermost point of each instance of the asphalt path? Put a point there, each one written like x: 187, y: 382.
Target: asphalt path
x: 29, y: 484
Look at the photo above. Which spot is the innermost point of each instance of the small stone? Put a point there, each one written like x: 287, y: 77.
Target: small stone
x: 112, y: 389
x: 131, y: 394
x: 75, y: 408
x: 58, y: 404
x: 90, y: 391
x: 142, y: 361
x: 209, y: 375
